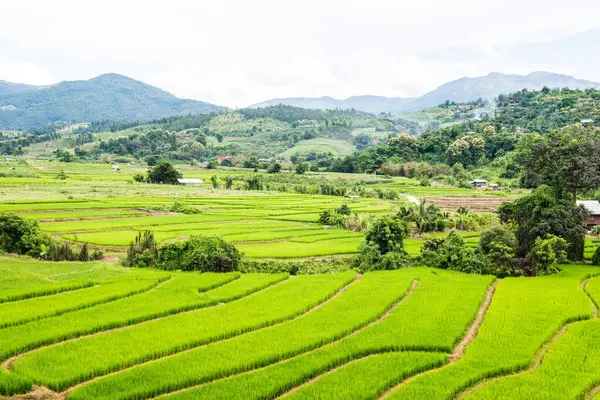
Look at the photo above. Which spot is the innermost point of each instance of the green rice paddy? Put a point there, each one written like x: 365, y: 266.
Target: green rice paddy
x: 108, y: 332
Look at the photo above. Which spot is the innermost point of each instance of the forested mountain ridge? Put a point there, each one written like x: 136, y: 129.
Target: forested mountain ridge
x: 106, y: 97
x: 460, y: 91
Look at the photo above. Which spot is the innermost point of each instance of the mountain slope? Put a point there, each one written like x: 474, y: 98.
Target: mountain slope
x: 461, y: 91
x: 110, y: 96
x: 8, y: 88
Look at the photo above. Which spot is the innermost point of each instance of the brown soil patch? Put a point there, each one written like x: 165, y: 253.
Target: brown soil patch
x: 475, y: 203
x: 39, y: 393
x: 110, y: 258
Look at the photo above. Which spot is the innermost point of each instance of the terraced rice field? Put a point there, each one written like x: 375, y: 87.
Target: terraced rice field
x: 266, y: 226
x: 277, y: 226
x: 100, y: 331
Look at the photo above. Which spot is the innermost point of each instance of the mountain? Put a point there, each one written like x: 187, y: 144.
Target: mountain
x: 106, y: 97
x: 8, y: 88
x: 461, y: 91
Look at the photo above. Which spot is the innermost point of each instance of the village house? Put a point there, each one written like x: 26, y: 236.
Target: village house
x: 593, y: 206
x: 190, y: 181
x: 479, y: 183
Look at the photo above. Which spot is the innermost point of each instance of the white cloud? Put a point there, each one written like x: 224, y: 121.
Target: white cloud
x: 235, y: 52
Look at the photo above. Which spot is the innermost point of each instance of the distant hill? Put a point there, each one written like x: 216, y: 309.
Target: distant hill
x: 8, y: 88
x: 460, y: 91
x: 106, y: 97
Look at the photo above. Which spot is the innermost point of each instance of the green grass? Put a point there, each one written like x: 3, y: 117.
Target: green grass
x: 333, y: 146
x: 448, y: 299
x: 362, y: 302
x: 184, y: 292
x: 19, y: 312
x: 508, y: 341
x: 369, y: 377
x: 85, y: 358
x: 569, y: 368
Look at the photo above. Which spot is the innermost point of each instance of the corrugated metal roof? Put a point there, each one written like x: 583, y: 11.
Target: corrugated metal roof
x: 593, y: 206
x: 189, y: 180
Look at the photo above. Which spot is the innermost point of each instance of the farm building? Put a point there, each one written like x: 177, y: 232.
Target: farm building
x: 478, y: 183
x: 190, y: 181
x: 593, y: 206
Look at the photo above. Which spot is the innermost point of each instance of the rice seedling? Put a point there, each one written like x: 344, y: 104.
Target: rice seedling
x: 448, y: 299
x: 360, y: 304
x: 508, y: 341
x: 98, y: 355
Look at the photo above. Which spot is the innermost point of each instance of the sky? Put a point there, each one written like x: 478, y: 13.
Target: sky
x: 237, y: 53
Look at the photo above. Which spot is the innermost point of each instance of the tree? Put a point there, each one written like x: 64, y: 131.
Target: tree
x: 542, y: 213
x: 567, y: 160
x: 21, y: 236
x: 387, y: 233
x: 301, y: 168
x: 274, y: 168
x: 164, y: 173
x: 497, y: 235
x: 205, y: 253
x: 466, y: 150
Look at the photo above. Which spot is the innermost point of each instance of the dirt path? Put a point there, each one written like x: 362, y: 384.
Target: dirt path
x: 177, y: 353
x: 538, y: 359
x: 460, y: 348
x: 411, y: 198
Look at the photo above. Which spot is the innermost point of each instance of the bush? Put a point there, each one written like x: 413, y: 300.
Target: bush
x: 205, y: 253
x: 596, y: 257
x: 497, y: 235
x: 301, y: 168
x: 164, y: 173
x: 324, y: 266
x: 344, y: 210
x: 453, y: 254
x: 63, y: 251
x: 547, y: 253
x: 371, y: 258
x: 212, y: 164
x: 274, y: 168
x: 18, y: 235
x: 387, y: 233
x: 139, y: 178
x: 142, y: 252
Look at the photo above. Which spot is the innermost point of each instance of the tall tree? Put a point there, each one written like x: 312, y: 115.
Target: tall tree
x: 567, y: 160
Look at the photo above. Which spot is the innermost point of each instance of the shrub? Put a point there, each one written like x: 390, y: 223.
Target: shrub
x: 164, y: 173
x: 18, y: 235
x: 453, y: 254
x: 371, y: 258
x: 596, y: 256
x: 547, y: 253
x: 274, y: 168
x: 142, y: 252
x: 212, y: 164
x: 387, y: 233
x: 301, y: 168
x: 63, y: 251
x: 497, y: 235
x: 183, y: 208
x: 205, y: 253
x: 139, y: 178
x: 344, y: 210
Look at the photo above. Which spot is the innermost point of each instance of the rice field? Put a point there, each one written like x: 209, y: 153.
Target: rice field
x: 101, y: 331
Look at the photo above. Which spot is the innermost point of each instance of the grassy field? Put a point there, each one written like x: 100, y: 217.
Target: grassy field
x: 100, y: 331
x: 333, y: 146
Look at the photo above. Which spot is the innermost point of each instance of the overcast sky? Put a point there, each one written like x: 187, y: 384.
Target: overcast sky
x: 236, y: 52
